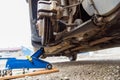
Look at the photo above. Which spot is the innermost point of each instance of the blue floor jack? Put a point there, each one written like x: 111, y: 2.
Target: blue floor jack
x: 31, y: 62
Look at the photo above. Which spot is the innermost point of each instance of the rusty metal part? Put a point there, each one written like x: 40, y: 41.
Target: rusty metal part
x: 58, y: 48
x: 93, y: 43
x: 77, y: 48
x: 71, y: 5
x: 81, y: 30
x: 78, y: 32
x: 100, y: 40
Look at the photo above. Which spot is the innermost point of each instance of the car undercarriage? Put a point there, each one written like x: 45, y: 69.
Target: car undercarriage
x: 68, y: 27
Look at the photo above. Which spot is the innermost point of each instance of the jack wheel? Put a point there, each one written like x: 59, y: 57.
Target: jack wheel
x: 49, y: 66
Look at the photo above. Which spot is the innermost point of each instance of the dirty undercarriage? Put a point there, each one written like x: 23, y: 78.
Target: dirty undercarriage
x: 67, y: 27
